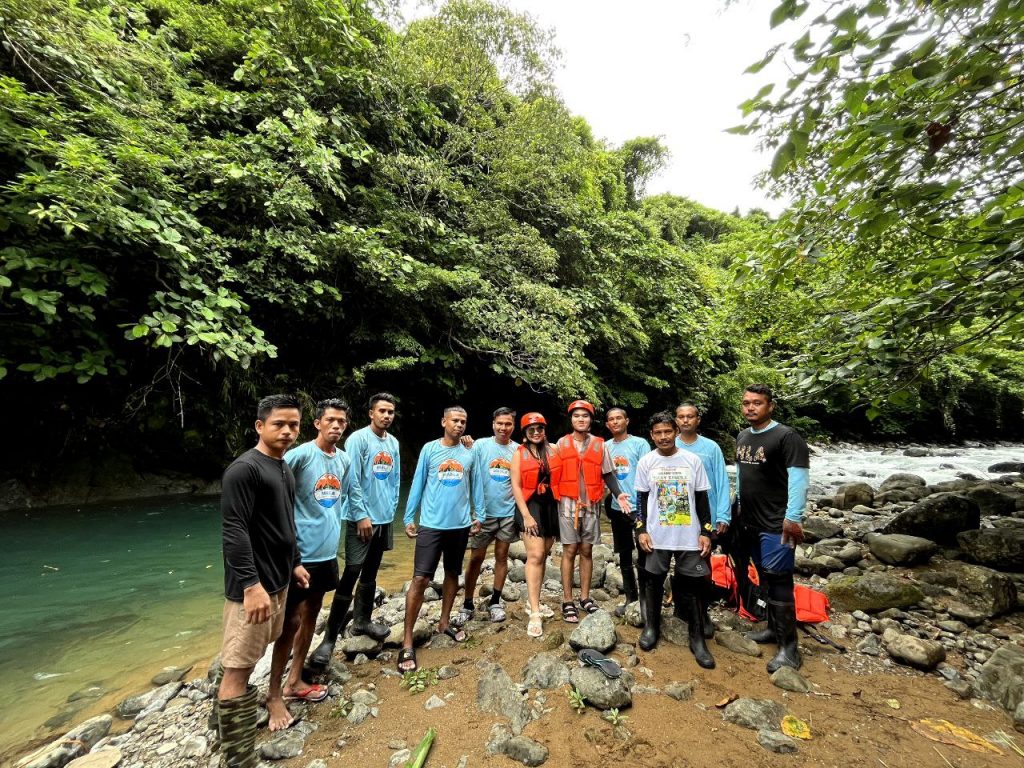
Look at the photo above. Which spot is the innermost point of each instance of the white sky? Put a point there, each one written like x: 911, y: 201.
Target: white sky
x: 674, y: 69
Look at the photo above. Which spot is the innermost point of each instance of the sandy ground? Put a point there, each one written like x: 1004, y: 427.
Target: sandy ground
x: 851, y: 721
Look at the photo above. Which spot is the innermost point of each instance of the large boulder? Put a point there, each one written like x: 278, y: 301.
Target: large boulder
x: 901, y: 480
x: 998, y: 548
x: 872, y: 592
x: 992, y: 500
x: 850, y: 495
x: 545, y: 670
x: 1004, y: 467
x: 900, y: 549
x: 982, y: 589
x: 894, y: 495
x: 916, y: 651
x: 75, y: 743
x: 1002, y: 677
x: 495, y: 692
x: 818, y: 528
x: 149, y: 702
x: 939, y: 518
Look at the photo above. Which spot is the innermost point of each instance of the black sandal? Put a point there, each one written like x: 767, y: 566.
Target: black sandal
x: 406, y: 655
x: 569, y: 613
x: 589, y: 606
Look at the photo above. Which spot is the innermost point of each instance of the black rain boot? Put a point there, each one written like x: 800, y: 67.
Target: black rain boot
x: 361, y: 608
x: 695, y: 629
x: 763, y: 636
x: 709, y: 625
x: 653, y: 593
x: 642, y: 578
x: 238, y: 730
x: 785, y: 628
x: 336, y: 622
x: 629, y: 587
x: 679, y: 608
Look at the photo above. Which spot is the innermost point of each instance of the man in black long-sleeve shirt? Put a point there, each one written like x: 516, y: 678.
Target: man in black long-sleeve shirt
x: 261, y: 557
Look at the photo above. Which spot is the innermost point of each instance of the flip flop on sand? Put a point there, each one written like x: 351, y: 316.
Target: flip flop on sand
x: 314, y: 693
x: 592, y: 658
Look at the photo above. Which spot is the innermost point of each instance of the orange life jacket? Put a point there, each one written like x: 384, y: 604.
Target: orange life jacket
x: 530, y: 469
x: 812, y: 606
x: 565, y: 469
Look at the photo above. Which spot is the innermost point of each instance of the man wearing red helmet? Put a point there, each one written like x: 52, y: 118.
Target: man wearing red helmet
x: 581, y: 467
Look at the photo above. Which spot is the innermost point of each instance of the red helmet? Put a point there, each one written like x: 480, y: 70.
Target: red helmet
x: 577, y: 404
x: 531, y: 418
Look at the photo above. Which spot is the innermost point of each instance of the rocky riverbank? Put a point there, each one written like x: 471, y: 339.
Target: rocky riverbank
x: 926, y: 595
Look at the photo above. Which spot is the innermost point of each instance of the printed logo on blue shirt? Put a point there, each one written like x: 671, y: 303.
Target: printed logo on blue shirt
x: 383, y: 465
x: 327, y: 490
x: 450, y: 472
x: 500, y: 470
x: 621, y: 466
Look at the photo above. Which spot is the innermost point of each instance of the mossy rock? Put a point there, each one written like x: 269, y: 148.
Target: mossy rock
x: 872, y: 592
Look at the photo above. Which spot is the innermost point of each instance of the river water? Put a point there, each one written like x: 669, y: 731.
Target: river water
x: 102, y: 597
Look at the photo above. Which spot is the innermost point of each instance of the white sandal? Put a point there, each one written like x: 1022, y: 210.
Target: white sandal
x: 535, y: 627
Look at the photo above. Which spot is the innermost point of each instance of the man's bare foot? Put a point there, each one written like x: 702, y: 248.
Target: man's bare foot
x: 280, y: 717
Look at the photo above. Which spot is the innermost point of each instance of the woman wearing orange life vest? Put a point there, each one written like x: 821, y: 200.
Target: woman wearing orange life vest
x: 581, y: 467
x: 536, y: 512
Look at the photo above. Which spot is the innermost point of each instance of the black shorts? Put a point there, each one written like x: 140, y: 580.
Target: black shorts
x: 435, y: 545
x: 688, y: 563
x: 545, y: 511
x: 323, y: 577
x: 622, y: 528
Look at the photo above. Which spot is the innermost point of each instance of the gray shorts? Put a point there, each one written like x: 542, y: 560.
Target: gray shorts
x: 356, y: 549
x: 688, y: 563
x: 491, y: 528
x: 588, y: 530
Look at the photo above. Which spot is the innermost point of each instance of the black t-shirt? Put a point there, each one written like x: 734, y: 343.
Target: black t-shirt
x: 762, y: 461
x: 258, y: 510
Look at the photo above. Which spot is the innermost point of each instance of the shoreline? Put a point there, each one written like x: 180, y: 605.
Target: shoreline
x: 948, y: 608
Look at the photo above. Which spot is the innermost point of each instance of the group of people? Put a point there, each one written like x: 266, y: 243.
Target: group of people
x: 284, y: 512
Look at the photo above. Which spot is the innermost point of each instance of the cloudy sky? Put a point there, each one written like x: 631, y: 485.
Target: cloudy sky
x: 669, y: 68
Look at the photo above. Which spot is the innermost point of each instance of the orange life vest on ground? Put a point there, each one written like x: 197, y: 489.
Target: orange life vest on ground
x: 812, y: 606
x: 529, y: 473
x: 565, y: 469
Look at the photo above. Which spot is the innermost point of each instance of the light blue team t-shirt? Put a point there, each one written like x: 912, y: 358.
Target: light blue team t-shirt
x: 492, y: 478
x: 320, y: 490
x: 440, y: 489
x: 626, y: 454
x: 714, y: 466
x: 374, y: 470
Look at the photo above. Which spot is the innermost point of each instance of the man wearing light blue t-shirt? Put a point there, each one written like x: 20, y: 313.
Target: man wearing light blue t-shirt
x: 441, y: 494
x: 320, y: 469
x: 710, y: 454
x: 495, y: 508
x: 374, y: 470
x: 626, y: 451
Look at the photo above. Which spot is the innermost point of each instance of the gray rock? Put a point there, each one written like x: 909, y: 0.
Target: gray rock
x: 756, y: 714
x: 358, y: 713
x: 1002, y: 677
x: 680, y: 691
x: 961, y: 688
x: 900, y: 549
x: 872, y: 592
x: 75, y: 743
x: 870, y: 646
x: 596, y: 630
x: 363, y: 696
x: 850, y: 495
x: 818, y: 528
x: 600, y: 691
x: 673, y: 630
x: 285, y: 745
x: 435, y: 702
x: 195, y: 747
x: 632, y: 616
x: 318, y: 763
x: 777, y: 742
x: 984, y: 590
x: 901, y: 480
x: 545, y: 670
x: 1003, y: 467
x: 400, y: 758
x: 149, y: 702
x: 916, y: 651
x: 788, y: 679
x: 939, y: 518
x: 998, y: 548
x: 992, y: 499
x: 500, y: 733
x: 516, y: 571
x: 170, y: 675
x: 525, y: 750
x: 353, y: 646
x: 517, y: 551
x: 1018, y: 717
x: 89, y: 692
x: 496, y: 693
x: 895, y: 495
x: 447, y: 672
x: 737, y: 643
x: 916, y: 452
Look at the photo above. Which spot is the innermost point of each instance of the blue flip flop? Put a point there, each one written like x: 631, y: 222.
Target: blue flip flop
x: 592, y: 658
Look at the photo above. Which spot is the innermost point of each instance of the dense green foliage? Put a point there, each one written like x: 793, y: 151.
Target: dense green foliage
x: 203, y: 202
x: 900, y: 137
